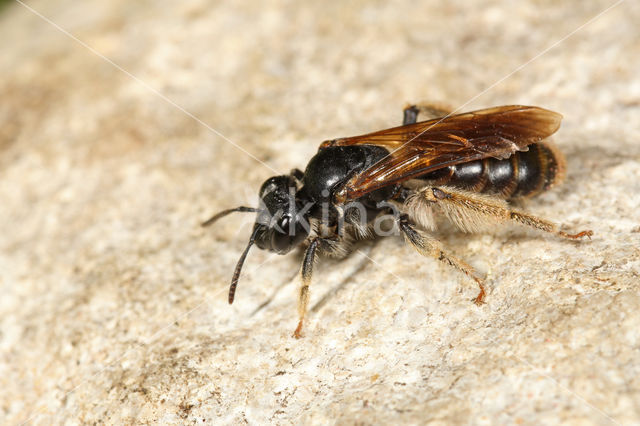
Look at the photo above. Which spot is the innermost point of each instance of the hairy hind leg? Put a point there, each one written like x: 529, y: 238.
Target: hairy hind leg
x: 471, y: 212
x: 429, y: 246
x: 429, y: 111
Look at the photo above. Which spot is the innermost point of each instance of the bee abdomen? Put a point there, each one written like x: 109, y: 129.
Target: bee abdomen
x: 524, y: 174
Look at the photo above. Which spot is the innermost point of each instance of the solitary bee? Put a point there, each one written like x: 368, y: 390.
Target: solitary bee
x: 467, y: 166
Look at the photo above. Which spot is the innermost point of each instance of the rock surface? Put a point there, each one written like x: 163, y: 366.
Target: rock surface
x: 113, y: 303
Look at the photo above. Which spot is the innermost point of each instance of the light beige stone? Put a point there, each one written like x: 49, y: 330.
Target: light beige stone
x: 113, y: 303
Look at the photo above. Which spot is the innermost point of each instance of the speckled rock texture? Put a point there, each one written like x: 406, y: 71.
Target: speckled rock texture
x: 114, y: 306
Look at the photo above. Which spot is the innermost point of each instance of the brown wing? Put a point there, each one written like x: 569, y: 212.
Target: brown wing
x: 420, y: 148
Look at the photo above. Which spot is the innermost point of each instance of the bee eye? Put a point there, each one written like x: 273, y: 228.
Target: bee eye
x: 281, y: 241
x: 283, y: 224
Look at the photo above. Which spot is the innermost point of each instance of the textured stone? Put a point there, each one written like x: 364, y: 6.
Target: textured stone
x: 114, y: 299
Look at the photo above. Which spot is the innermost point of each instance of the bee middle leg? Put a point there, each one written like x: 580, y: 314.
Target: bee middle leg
x: 429, y: 246
x: 428, y: 111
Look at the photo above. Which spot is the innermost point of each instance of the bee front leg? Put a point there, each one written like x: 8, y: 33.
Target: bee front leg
x: 429, y: 246
x: 428, y: 111
x: 303, y: 296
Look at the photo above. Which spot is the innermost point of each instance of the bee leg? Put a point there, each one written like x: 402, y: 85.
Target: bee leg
x: 303, y: 296
x: 471, y: 212
x: 429, y: 111
x: 429, y: 246
x: 340, y: 220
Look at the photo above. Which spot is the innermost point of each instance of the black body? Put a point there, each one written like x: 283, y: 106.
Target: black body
x: 329, y: 169
x: 309, y: 207
x: 524, y: 174
x: 292, y: 201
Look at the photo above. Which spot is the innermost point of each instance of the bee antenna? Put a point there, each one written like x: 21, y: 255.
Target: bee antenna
x: 223, y: 213
x: 236, y: 273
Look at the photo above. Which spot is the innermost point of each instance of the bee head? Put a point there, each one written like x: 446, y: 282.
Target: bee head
x: 282, y: 221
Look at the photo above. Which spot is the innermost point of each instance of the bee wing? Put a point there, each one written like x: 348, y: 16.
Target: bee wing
x: 420, y: 148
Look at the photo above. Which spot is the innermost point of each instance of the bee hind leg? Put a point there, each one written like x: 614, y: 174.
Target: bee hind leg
x: 429, y: 246
x: 472, y: 212
x: 427, y: 111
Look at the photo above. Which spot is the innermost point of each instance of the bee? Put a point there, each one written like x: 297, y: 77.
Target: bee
x: 468, y: 167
